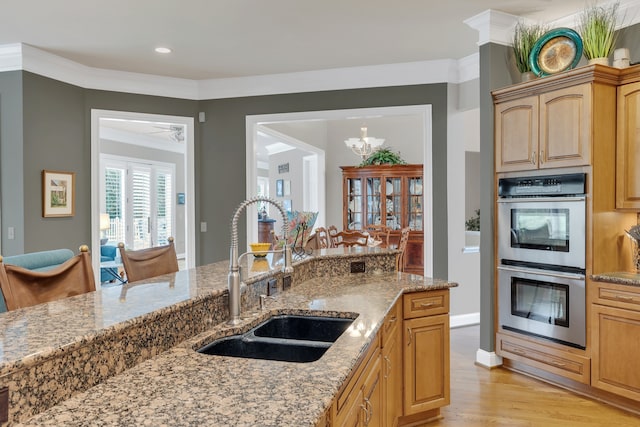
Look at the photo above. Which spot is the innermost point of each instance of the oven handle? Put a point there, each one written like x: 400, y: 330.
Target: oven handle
x: 541, y: 199
x: 559, y: 274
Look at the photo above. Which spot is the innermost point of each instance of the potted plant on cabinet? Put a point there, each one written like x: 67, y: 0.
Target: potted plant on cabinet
x: 597, y: 27
x: 524, y: 37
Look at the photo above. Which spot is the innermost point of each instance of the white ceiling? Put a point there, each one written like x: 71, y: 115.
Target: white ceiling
x: 234, y: 38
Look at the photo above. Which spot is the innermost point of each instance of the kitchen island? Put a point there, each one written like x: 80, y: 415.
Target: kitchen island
x: 172, y: 384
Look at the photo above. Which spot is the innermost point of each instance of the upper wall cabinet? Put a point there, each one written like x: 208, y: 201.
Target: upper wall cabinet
x: 628, y: 147
x: 550, y: 122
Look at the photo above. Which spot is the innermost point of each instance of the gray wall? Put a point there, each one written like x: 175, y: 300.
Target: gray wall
x: 11, y: 159
x: 222, y: 158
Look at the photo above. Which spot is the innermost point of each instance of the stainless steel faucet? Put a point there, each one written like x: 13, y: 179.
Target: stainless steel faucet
x: 234, y: 262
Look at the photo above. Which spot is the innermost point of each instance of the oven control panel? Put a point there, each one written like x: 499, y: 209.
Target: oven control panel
x: 542, y: 186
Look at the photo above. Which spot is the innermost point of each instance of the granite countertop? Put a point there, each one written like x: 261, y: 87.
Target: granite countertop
x: 183, y: 387
x: 619, y: 278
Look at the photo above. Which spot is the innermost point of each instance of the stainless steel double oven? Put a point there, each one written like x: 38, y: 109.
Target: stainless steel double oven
x: 541, y: 256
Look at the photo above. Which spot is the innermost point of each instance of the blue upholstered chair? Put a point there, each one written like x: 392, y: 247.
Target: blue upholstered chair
x: 108, y: 253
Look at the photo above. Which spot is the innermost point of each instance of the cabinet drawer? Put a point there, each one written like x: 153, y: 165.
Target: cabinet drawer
x: 391, y: 321
x: 568, y: 365
x: 428, y: 303
x: 618, y: 295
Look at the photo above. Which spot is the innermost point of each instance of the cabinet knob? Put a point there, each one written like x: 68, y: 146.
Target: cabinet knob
x: 533, y: 157
x: 541, y: 157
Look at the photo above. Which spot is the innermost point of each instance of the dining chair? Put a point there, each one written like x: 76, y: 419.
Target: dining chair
x: 402, y: 247
x: 379, y: 233
x: 333, y: 240
x: 151, y: 262
x: 351, y: 238
x: 322, y: 238
x: 22, y: 287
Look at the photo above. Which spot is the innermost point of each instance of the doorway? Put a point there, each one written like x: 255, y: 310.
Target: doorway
x: 326, y: 131
x: 144, y: 163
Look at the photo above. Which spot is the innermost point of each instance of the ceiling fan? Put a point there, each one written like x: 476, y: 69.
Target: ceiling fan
x: 176, y: 132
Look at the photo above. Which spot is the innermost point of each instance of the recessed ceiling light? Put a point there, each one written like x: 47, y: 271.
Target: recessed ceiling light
x: 163, y: 50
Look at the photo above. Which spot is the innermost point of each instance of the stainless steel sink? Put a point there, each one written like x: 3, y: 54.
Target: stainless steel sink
x: 288, y: 338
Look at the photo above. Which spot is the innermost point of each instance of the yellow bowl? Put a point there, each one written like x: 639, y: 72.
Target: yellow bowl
x: 260, y: 249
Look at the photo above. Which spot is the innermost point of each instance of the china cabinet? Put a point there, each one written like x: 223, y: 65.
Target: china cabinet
x: 389, y: 195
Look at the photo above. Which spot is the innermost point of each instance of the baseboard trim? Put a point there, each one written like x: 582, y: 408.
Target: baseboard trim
x: 461, y: 320
x: 487, y: 359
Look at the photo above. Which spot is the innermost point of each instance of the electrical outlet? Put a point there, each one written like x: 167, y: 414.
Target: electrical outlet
x: 286, y: 282
x: 4, y: 404
x: 272, y: 287
x: 357, y: 267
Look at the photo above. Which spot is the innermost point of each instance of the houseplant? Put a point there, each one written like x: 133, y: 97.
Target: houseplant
x: 383, y: 156
x: 524, y: 37
x: 597, y: 27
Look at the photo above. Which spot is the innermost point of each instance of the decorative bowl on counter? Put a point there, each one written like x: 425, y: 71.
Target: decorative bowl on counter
x: 259, y: 250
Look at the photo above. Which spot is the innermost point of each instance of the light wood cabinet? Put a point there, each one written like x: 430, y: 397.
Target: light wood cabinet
x: 392, y: 367
x: 628, y: 147
x: 360, y: 402
x: 391, y: 196
x: 615, y: 320
x: 426, y: 352
x: 548, y: 357
x: 549, y: 130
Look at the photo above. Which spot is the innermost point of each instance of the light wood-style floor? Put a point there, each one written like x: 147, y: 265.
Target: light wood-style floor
x: 497, y: 397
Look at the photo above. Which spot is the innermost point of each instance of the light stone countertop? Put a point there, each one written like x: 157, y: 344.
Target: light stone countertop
x: 181, y: 387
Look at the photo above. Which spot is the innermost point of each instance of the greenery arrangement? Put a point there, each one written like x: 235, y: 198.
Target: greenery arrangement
x: 473, y: 223
x: 524, y: 37
x: 383, y: 156
x: 597, y: 27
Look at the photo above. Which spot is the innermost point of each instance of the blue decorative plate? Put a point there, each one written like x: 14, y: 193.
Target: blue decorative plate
x: 557, y: 50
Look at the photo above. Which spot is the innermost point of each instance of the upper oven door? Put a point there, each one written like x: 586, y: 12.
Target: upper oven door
x: 545, y: 231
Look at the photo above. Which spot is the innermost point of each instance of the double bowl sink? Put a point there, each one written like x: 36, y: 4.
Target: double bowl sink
x: 288, y: 338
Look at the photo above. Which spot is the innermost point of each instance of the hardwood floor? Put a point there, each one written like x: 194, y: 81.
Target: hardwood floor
x: 497, y: 397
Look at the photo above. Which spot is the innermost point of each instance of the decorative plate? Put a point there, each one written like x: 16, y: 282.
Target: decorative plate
x: 557, y: 50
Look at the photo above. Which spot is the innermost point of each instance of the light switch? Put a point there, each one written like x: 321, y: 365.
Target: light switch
x: 203, y: 227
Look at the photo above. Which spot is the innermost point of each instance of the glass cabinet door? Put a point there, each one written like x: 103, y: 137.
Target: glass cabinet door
x: 354, y: 212
x: 374, y: 213
x: 414, y: 207
x: 393, y: 203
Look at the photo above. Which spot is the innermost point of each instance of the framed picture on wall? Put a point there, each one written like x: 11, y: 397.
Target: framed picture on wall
x: 287, y: 187
x: 286, y: 204
x: 58, y: 193
x: 279, y: 187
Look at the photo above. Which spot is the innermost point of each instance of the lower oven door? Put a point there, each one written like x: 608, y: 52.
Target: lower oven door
x: 543, y: 303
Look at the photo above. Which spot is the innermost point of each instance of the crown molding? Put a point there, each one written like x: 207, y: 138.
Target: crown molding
x: 494, y: 26
x: 20, y: 56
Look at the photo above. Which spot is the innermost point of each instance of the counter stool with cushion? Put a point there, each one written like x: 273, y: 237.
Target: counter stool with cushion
x: 145, y: 263
x: 22, y: 287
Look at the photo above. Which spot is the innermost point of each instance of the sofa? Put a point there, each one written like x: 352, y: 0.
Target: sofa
x: 37, y: 261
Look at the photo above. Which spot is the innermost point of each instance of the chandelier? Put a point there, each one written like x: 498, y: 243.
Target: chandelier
x: 365, y: 145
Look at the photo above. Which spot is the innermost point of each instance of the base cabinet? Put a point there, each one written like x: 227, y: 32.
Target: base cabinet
x: 426, y: 351
x: 403, y: 378
x: 615, y: 329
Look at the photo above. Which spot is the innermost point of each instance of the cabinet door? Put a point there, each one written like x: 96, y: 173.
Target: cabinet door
x: 392, y: 378
x: 426, y: 363
x: 353, y: 414
x: 565, y: 127
x: 628, y: 147
x: 354, y: 214
x: 516, y: 133
x: 372, y: 396
x: 414, y: 204
x: 615, y: 348
x: 374, y: 200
